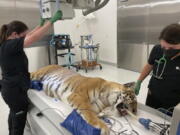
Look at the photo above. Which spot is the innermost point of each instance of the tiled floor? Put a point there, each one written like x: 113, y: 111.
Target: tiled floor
x: 108, y: 72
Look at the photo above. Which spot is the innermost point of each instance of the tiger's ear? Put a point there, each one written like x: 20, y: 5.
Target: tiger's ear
x: 130, y: 84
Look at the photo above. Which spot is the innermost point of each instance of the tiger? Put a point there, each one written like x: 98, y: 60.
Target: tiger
x: 90, y: 96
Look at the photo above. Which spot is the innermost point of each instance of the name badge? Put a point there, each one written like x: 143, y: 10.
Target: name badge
x: 178, y: 68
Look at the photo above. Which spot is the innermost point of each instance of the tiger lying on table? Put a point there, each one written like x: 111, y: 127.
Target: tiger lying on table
x: 90, y: 96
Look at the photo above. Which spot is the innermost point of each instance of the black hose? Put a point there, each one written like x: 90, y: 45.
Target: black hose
x: 97, y: 2
x: 97, y: 7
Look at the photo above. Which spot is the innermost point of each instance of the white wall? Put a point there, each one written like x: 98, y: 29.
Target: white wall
x: 105, y: 31
x: 103, y: 28
x: 38, y: 57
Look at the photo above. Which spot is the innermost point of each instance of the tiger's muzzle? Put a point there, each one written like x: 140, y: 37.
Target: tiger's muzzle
x: 122, y: 108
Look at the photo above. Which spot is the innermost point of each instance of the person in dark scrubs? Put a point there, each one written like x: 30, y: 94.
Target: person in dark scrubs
x: 164, y: 62
x: 14, y: 65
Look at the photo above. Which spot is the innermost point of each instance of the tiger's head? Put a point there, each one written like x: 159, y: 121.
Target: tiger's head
x: 122, y: 97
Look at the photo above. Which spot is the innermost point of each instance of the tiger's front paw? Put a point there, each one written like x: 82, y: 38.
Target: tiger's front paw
x: 105, y: 132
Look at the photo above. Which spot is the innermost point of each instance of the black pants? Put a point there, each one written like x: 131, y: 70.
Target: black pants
x: 157, y: 102
x: 16, y: 99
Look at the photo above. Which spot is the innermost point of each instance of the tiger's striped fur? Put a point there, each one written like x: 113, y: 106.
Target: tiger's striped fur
x: 90, y: 96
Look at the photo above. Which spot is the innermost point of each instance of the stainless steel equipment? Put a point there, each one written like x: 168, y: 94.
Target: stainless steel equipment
x: 139, y: 25
x: 49, y: 7
x: 175, y: 123
x: 89, y: 53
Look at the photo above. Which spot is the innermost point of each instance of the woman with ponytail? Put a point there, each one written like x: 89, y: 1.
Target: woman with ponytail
x: 3, y: 33
x: 14, y: 65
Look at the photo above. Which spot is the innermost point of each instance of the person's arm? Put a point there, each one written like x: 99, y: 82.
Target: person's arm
x: 145, y: 72
x: 42, y: 22
x: 39, y: 32
x: 32, y: 31
x: 36, y: 35
x: 147, y: 68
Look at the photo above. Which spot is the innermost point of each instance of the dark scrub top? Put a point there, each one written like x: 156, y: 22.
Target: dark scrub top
x: 166, y: 89
x: 14, y: 66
